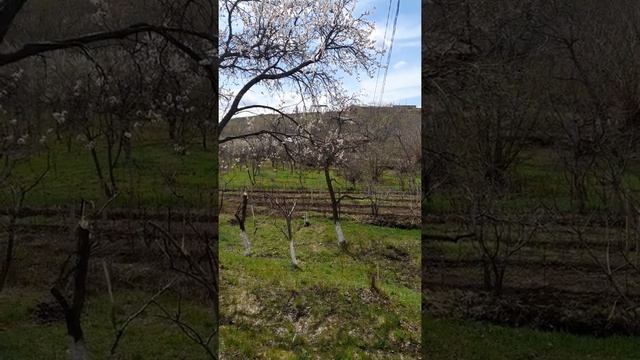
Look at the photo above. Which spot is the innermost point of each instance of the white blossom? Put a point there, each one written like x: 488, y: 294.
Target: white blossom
x: 60, y: 117
x: 16, y: 76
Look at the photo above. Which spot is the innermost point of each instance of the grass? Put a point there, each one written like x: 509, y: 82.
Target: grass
x: 537, y: 178
x: 269, y: 311
x: 150, y: 178
x: 307, y: 179
x: 456, y: 339
x: 148, y: 337
x: 155, y: 174
x: 326, y: 309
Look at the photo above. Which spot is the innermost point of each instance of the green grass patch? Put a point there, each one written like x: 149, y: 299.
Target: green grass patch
x: 455, y: 339
x: 326, y: 309
x: 305, y: 179
x: 155, y: 175
x: 23, y: 337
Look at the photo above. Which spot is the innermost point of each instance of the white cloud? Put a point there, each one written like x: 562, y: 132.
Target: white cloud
x: 399, y: 64
x: 406, y: 32
x: 400, y: 85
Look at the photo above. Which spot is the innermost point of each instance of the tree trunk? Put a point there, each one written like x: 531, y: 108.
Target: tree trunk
x: 334, y: 206
x: 112, y: 162
x: 499, y: 279
x: 292, y: 250
x: 80, y: 283
x: 9, y: 252
x: 96, y: 162
x: 245, y: 242
x: 215, y: 340
x: 172, y: 128
x: 78, y: 349
x: 241, y: 216
x: 204, y: 139
x: 486, y: 272
x: 341, y: 240
x: 73, y: 311
x: 580, y: 193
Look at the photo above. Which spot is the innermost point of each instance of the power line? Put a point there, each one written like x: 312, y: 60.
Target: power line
x: 393, y: 35
x: 384, y: 45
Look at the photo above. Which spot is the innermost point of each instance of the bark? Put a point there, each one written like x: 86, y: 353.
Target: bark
x: 486, y: 272
x: 112, y: 160
x: 78, y: 349
x: 340, y: 234
x: 246, y: 242
x: 292, y: 250
x: 9, y: 251
x: 8, y: 11
x: 579, y: 190
x: 105, y: 186
x: 214, y: 289
x: 241, y: 216
x: 73, y: 311
x: 34, y: 49
x: 204, y: 139
x: 332, y: 194
x: 334, y: 206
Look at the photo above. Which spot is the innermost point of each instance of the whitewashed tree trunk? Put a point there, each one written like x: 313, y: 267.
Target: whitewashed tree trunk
x: 292, y: 252
x: 246, y: 242
x: 340, y: 234
x: 78, y: 349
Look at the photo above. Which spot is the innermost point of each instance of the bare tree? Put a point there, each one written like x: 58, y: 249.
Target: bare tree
x: 19, y: 192
x: 73, y: 308
x: 284, y: 208
x: 620, y: 275
x: 198, y: 263
x: 498, y: 240
x: 20, y: 141
x: 241, y: 216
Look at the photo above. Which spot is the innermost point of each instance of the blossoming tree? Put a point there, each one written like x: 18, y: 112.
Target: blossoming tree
x: 288, y: 48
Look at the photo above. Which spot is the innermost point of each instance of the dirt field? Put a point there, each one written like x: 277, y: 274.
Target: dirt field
x: 394, y: 208
x: 555, y: 282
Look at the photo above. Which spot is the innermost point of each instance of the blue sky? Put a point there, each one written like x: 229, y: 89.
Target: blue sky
x: 403, y: 77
